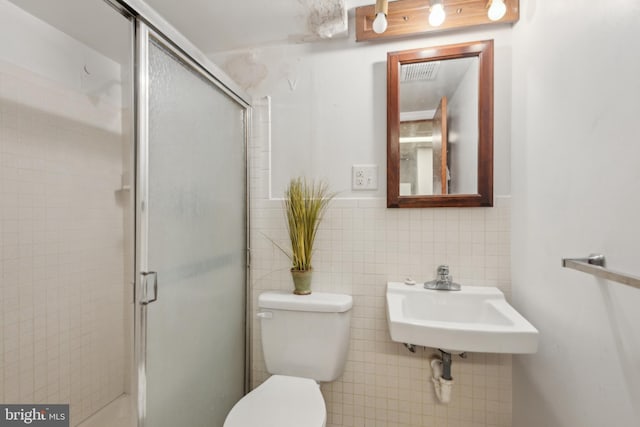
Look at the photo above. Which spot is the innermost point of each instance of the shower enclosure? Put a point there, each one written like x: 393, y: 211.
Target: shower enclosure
x: 123, y: 218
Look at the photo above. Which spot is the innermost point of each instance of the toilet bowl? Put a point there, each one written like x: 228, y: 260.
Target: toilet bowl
x: 280, y: 401
x: 305, y: 339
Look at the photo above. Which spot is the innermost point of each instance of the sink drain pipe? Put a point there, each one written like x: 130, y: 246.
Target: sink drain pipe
x: 441, y: 376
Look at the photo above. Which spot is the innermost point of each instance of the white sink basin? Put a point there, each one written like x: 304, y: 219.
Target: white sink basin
x: 476, y: 318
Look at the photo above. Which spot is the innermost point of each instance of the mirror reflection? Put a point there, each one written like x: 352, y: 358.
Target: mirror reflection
x: 440, y: 126
x: 438, y: 135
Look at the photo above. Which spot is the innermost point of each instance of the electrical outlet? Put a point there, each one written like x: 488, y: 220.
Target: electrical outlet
x: 364, y: 177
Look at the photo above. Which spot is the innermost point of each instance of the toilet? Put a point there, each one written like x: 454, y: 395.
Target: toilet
x: 305, y: 339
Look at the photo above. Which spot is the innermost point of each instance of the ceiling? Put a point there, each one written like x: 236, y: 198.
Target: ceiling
x: 216, y: 26
x: 424, y: 95
x: 109, y: 35
x: 211, y: 25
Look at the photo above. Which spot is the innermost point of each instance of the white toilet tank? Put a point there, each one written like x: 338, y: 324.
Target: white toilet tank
x: 305, y: 335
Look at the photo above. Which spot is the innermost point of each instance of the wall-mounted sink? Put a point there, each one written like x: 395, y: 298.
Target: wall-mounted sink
x: 476, y: 318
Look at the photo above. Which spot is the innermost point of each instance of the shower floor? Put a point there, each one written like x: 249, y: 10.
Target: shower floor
x: 119, y: 413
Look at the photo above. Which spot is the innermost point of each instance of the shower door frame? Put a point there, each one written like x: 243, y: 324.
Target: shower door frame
x: 150, y: 25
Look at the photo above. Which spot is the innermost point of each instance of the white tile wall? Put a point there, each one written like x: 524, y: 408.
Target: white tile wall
x: 360, y: 246
x: 61, y: 241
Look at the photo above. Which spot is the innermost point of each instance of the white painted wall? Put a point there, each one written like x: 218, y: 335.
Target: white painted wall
x: 48, y: 52
x: 360, y: 246
x: 64, y: 228
x: 327, y: 111
x: 329, y: 104
x: 462, y: 112
x: 576, y: 190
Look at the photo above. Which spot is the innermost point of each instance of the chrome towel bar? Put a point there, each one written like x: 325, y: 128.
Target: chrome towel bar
x: 595, y: 264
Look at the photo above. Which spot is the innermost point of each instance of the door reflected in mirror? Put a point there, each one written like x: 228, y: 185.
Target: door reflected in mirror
x: 440, y: 126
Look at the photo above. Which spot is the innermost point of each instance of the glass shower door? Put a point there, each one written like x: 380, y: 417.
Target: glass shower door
x: 192, y: 242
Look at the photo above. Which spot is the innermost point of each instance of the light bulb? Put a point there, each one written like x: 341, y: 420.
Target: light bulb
x: 437, y: 15
x: 380, y: 23
x: 497, y: 10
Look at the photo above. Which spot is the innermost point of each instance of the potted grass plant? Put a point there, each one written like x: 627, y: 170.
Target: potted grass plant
x: 304, y: 205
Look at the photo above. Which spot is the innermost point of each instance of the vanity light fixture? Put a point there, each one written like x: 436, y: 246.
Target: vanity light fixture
x: 436, y: 13
x: 497, y: 10
x: 380, y: 23
x: 402, y: 18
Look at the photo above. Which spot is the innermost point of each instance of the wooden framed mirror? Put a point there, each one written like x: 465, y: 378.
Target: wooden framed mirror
x: 440, y: 126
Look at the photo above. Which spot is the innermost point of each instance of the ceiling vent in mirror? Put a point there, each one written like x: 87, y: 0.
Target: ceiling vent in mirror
x: 420, y: 71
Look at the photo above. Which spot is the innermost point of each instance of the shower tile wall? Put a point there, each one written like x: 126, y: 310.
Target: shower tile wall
x: 361, y: 245
x: 61, y: 240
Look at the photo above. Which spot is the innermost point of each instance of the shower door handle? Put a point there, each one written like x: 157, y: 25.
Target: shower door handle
x: 145, y: 281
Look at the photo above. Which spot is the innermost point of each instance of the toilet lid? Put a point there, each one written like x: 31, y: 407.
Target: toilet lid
x: 280, y: 401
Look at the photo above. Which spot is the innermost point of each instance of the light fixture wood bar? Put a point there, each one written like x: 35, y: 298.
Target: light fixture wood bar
x: 411, y: 17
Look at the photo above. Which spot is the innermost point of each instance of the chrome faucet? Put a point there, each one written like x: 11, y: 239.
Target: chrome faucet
x: 443, y: 282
